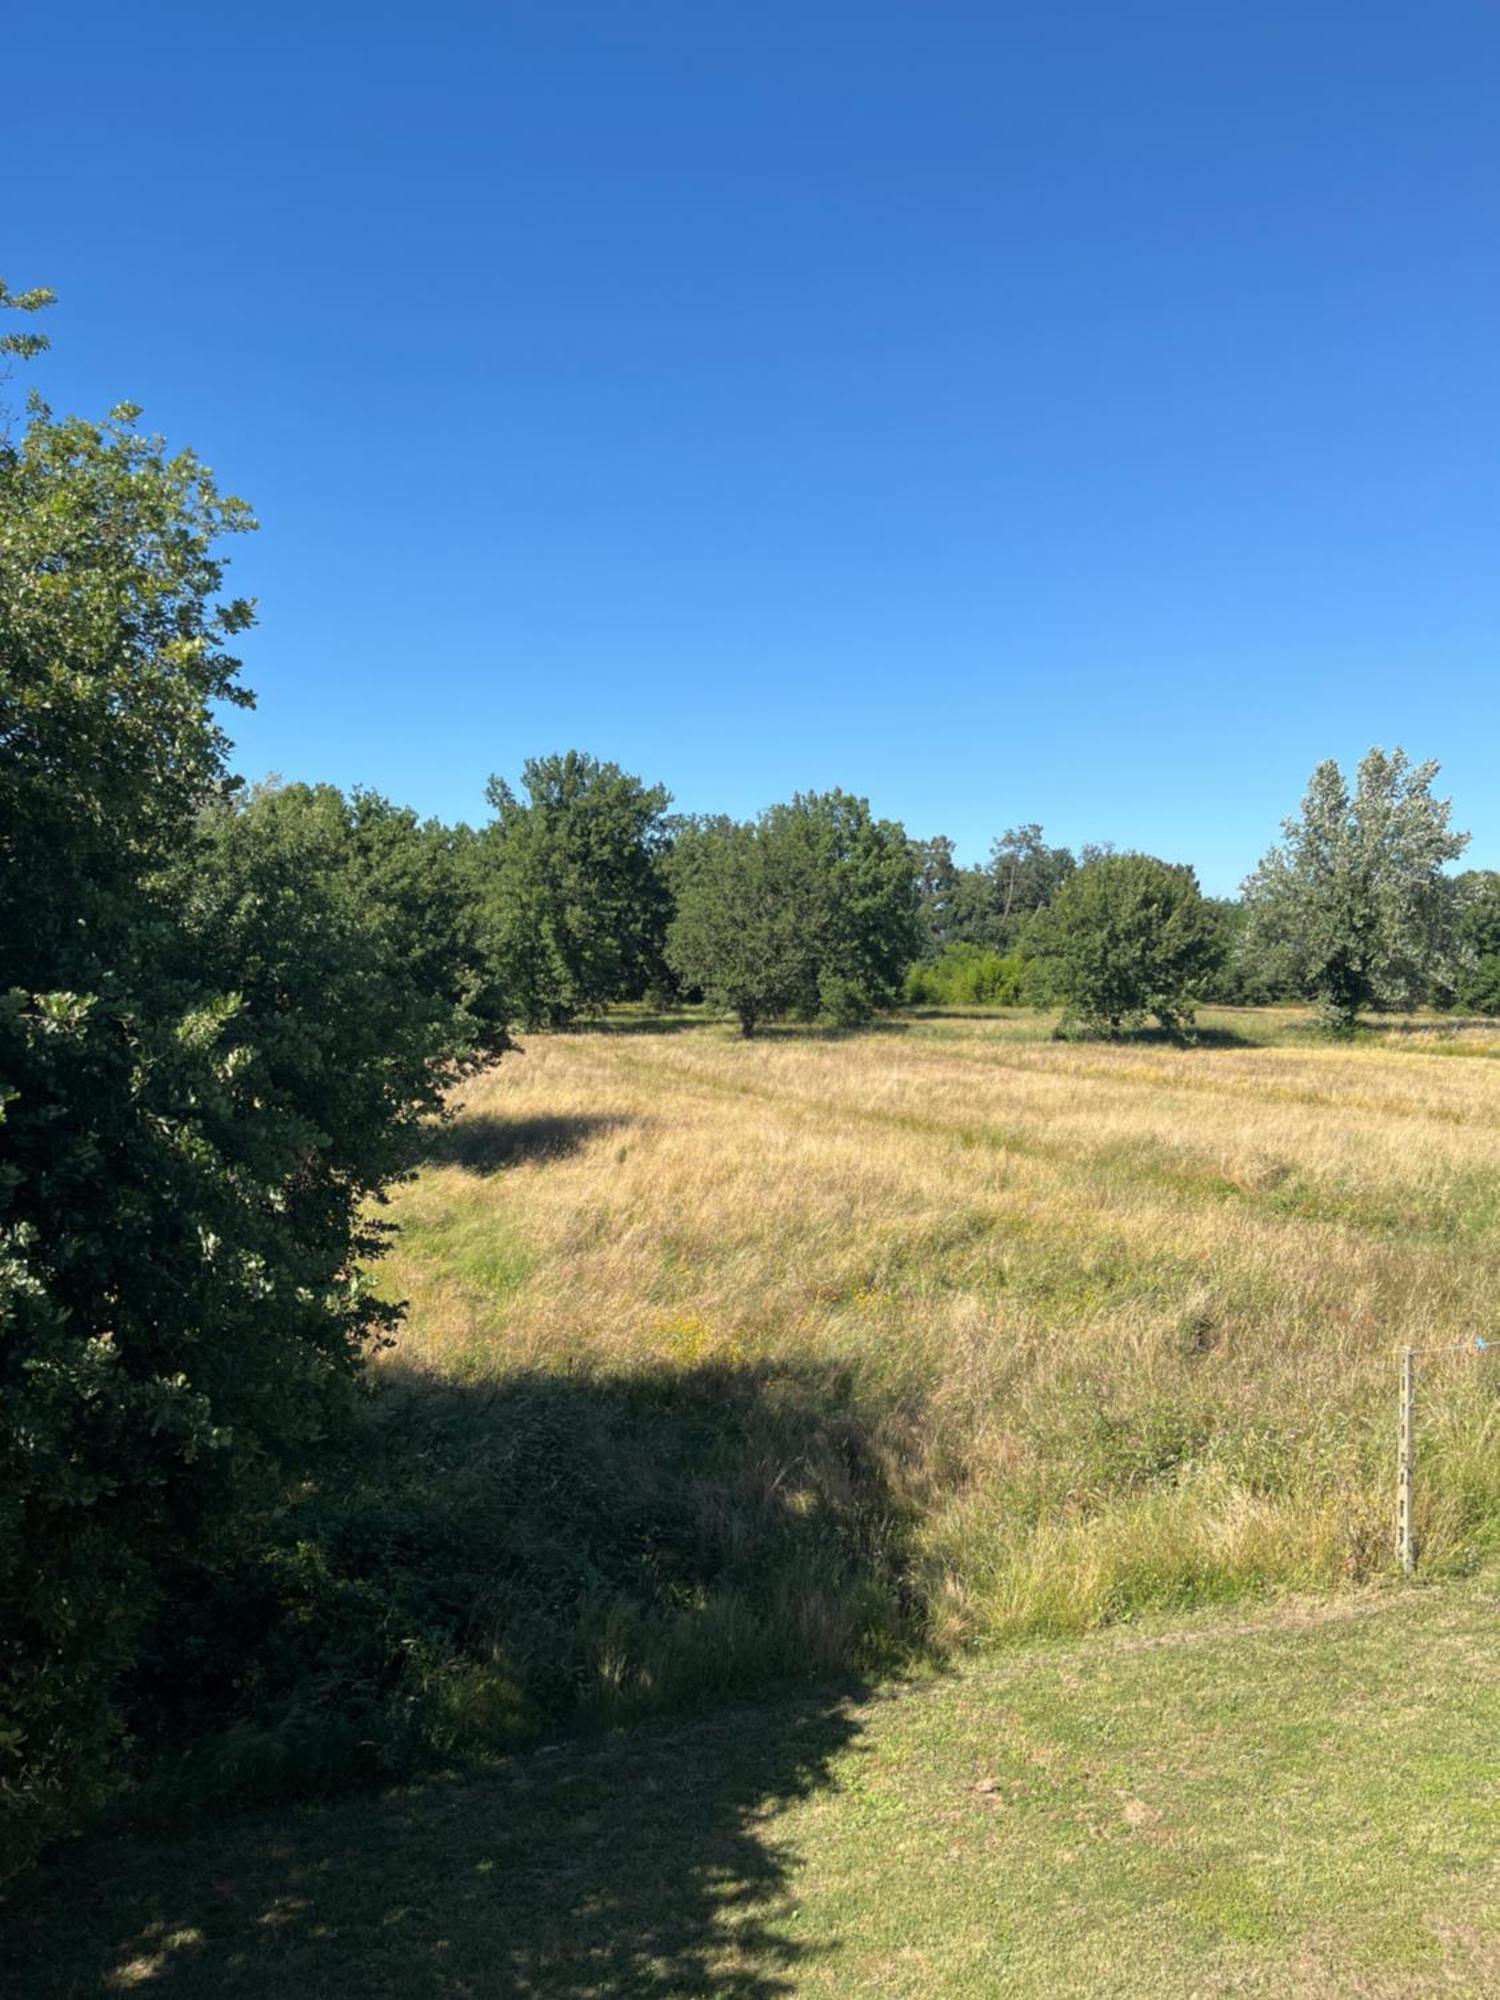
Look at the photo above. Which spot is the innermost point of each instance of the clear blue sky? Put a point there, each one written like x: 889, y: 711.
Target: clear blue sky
x: 1076, y: 411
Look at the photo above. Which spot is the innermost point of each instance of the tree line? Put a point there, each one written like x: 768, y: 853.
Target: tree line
x: 586, y: 890
x: 228, y: 1015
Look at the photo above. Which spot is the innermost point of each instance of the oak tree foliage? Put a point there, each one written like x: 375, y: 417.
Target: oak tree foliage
x: 574, y: 904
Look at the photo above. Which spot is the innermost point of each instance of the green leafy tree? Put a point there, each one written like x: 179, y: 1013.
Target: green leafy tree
x: 1027, y: 875
x: 809, y: 910
x: 214, y: 1052
x: 1477, y: 981
x: 1242, y: 977
x: 988, y: 906
x: 345, y: 929
x: 938, y: 877
x: 735, y: 934
x: 1129, y: 936
x: 1352, y: 907
x: 112, y: 653
x: 421, y: 875
x: 573, y: 892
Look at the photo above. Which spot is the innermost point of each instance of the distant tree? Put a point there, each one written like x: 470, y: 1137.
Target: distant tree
x: 985, y: 906
x: 937, y: 877
x: 1028, y: 874
x: 809, y: 910
x: 573, y: 896
x: 1352, y: 907
x: 990, y: 906
x: 1241, y: 978
x: 973, y: 914
x: 420, y: 875
x: 1127, y: 936
x: 735, y: 935
x: 1476, y: 983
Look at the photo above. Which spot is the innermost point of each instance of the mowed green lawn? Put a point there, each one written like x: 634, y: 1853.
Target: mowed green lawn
x: 1304, y: 1801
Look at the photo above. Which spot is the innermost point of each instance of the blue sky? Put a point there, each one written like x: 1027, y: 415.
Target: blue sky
x: 1077, y: 412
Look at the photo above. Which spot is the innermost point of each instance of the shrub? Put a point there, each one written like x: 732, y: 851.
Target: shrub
x: 966, y: 975
x: 215, y: 1044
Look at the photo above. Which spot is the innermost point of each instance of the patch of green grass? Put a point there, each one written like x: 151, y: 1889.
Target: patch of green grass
x: 1305, y: 1803
x: 469, y: 1240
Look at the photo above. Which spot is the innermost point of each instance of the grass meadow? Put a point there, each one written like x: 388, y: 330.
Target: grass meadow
x: 833, y: 1350
x: 928, y: 1492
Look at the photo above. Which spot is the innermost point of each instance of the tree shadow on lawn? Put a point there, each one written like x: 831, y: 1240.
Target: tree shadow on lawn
x: 1144, y: 1037
x: 641, y: 1866
x: 780, y: 1028
x: 592, y: 1547
x: 1193, y: 1038
x: 826, y: 1031
x: 1403, y: 1027
x: 689, y: 1020
x: 483, y: 1143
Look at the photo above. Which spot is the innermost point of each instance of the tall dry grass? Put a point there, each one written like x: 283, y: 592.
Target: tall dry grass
x: 1070, y: 1329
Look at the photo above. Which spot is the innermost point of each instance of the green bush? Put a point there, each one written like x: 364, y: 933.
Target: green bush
x: 217, y: 1038
x: 967, y: 975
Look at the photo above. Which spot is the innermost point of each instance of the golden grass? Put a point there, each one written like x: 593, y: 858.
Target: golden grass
x: 1121, y: 1320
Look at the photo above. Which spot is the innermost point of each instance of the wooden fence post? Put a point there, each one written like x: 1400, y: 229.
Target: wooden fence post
x: 1405, y: 1545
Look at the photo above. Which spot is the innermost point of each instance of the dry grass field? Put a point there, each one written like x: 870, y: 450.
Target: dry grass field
x: 814, y: 1360
x: 978, y: 1334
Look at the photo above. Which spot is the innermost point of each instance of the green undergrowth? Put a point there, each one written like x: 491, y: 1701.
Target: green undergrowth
x: 500, y: 1559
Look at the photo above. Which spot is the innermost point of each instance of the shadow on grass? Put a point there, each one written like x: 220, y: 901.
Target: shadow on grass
x: 697, y: 1022
x: 1041, y: 1020
x: 640, y: 1866
x: 1195, y: 1038
x: 1446, y: 1028
x: 483, y: 1143
x: 828, y: 1031
x: 673, y: 1023
x: 494, y: 1563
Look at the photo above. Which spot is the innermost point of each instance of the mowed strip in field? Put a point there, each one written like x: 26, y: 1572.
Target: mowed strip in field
x: 1096, y: 1326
